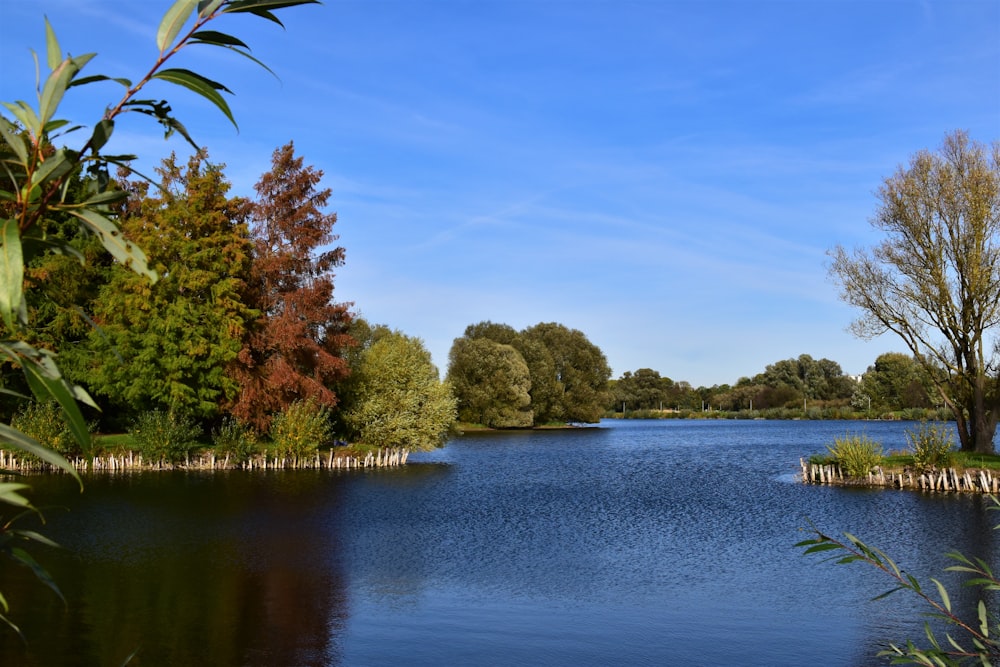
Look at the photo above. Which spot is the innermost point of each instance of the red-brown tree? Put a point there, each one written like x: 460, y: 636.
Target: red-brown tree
x: 294, y: 350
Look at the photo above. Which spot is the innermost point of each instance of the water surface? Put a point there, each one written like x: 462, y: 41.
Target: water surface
x: 637, y: 543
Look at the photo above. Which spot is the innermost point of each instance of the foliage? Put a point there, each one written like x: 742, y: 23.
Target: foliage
x: 46, y: 424
x: 491, y: 382
x: 401, y: 400
x: 896, y: 381
x: 643, y: 390
x: 933, y: 446
x: 581, y: 373
x: 300, y: 429
x: 236, y: 440
x: 977, y: 642
x: 856, y: 454
x: 167, y: 346
x: 35, y: 189
x: 568, y: 374
x: 294, y: 347
x: 13, y: 542
x: 165, y: 436
x: 935, y: 279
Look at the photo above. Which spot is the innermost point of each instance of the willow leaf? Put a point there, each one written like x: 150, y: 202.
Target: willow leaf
x: 206, y: 7
x: 199, y: 84
x: 40, y: 572
x: 10, y: 494
x: 14, y: 139
x: 11, y: 271
x: 113, y: 241
x: 25, y: 114
x: 17, y: 439
x: 46, y: 381
x: 53, y: 52
x: 217, y: 38
x: 173, y: 21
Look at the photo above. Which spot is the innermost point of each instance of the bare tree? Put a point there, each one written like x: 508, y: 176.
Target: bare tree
x: 935, y: 279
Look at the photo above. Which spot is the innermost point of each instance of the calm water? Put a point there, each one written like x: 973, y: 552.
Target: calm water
x: 638, y: 543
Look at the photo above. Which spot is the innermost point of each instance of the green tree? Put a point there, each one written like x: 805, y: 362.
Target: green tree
x: 34, y: 189
x: 491, y: 383
x: 581, y: 374
x: 166, y: 346
x: 935, y: 279
x: 401, y: 401
x: 896, y: 381
x: 643, y: 390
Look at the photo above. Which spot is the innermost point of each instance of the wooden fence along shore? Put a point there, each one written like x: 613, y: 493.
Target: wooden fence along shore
x: 947, y: 481
x: 128, y: 462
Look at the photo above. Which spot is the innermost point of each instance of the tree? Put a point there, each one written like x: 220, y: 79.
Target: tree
x: 294, y: 348
x: 401, y: 401
x: 166, y: 346
x: 491, y: 382
x: 895, y: 381
x: 33, y: 187
x: 934, y: 281
x: 581, y: 374
x: 643, y: 390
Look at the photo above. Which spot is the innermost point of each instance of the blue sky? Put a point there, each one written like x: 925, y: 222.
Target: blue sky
x: 665, y: 176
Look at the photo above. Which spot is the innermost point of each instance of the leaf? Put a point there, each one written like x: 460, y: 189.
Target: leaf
x: 17, y: 439
x: 943, y: 593
x: 217, y: 38
x: 36, y: 537
x: 40, y: 572
x: 9, y: 493
x: 206, y: 7
x: 54, y: 168
x: 82, y: 81
x: 46, y: 381
x: 201, y: 85
x: 125, y: 252
x: 262, y: 8
x: 11, y: 271
x: 984, y: 621
x: 173, y: 21
x: 26, y: 115
x: 14, y: 139
x: 57, y: 83
x: 888, y: 593
x: 102, y: 132
x: 53, y: 52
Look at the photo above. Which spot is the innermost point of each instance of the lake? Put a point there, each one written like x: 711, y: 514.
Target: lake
x: 632, y: 543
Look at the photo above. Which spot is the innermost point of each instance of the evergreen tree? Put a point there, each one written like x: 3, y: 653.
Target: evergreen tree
x: 167, y: 345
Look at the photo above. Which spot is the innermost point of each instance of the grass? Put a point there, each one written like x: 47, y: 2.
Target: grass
x: 903, y: 459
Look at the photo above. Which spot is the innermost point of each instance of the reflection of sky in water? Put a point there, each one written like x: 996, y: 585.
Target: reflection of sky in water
x: 640, y: 543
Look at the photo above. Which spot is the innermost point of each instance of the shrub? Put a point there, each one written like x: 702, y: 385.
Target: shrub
x: 44, y: 422
x: 165, y: 436
x: 932, y: 445
x: 857, y: 454
x: 235, y: 439
x: 299, y: 431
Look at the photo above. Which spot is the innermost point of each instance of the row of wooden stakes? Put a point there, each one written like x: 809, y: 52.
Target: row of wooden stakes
x: 949, y: 480
x: 383, y: 458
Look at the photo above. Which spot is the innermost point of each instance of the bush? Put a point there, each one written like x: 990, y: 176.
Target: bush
x: 856, y: 455
x: 236, y: 440
x: 165, y: 436
x: 44, y: 422
x: 299, y: 431
x: 933, y: 446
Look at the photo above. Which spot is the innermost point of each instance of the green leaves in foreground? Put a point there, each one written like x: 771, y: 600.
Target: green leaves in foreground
x: 12, y: 541
x: 977, y: 642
